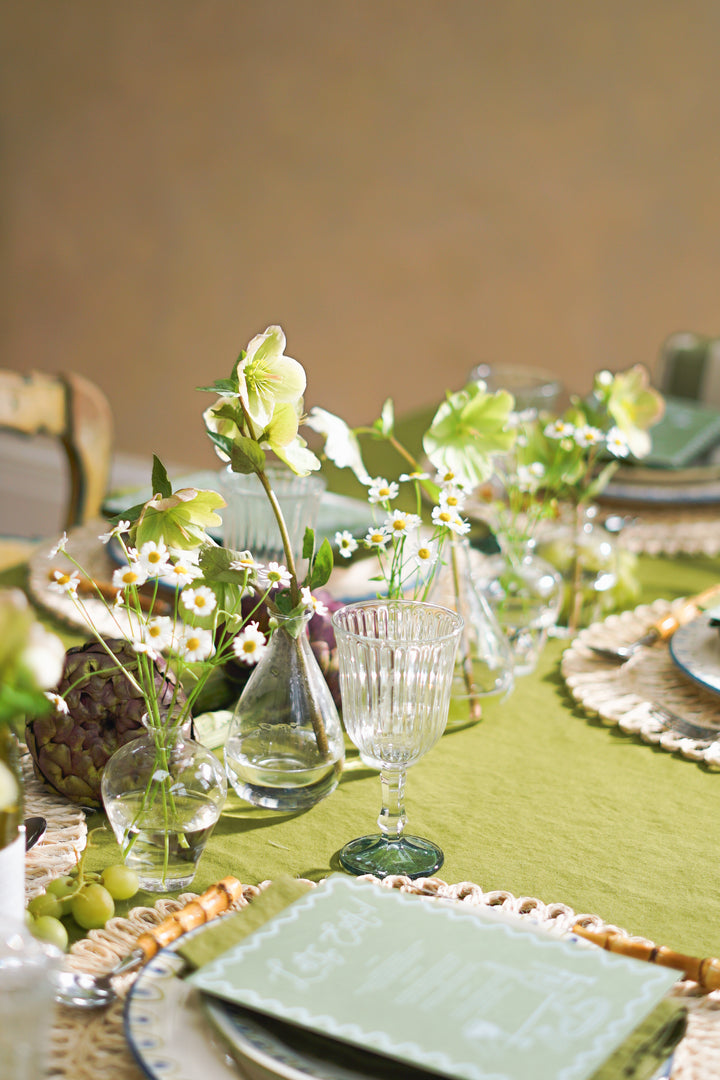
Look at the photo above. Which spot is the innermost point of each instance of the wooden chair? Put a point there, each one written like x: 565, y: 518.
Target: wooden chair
x: 74, y: 411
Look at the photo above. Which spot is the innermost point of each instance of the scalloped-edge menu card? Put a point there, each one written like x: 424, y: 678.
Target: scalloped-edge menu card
x: 470, y: 993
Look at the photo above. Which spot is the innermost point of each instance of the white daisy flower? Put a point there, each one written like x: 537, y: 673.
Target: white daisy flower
x: 183, y: 571
x: 381, y: 490
x: 559, y: 429
x: 117, y: 530
x: 186, y: 555
x: 195, y: 644
x: 346, y: 543
x: 159, y: 631
x: 201, y: 601
x: 400, y: 524
x: 452, y: 498
x: 449, y: 519
x: 617, y: 443
x: 154, y: 558
x: 59, y: 702
x: 250, y: 644
x: 312, y: 601
x: 126, y: 576
x: 60, y: 546
x: 588, y: 436
x: 275, y: 576
x: 415, y: 476
x: 459, y: 525
x: 246, y: 562
x: 62, y: 582
x: 424, y: 554
x: 144, y: 647
x: 377, y: 536
x: 447, y: 478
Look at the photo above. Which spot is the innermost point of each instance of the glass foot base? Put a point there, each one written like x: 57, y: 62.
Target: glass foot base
x: 410, y: 855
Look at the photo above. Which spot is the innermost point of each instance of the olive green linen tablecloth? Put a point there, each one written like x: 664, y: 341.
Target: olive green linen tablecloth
x: 536, y: 799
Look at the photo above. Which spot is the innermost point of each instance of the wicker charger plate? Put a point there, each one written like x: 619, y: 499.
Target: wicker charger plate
x: 88, y: 1045
x: 628, y: 694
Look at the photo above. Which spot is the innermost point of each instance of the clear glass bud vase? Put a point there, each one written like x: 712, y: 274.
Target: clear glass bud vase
x: 585, y: 554
x: 525, y: 593
x: 484, y: 662
x: 163, y: 794
x: 285, y: 748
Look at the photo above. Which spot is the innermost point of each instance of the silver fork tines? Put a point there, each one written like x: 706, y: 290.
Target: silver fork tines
x: 678, y: 724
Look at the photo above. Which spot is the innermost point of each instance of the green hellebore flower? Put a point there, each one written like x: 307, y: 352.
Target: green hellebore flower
x: 281, y: 436
x: 342, y: 445
x: 635, y: 406
x: 468, y: 430
x: 266, y: 377
x: 180, y: 520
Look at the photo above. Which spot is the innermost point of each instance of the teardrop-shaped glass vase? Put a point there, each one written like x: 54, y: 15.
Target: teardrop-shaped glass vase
x: 285, y: 747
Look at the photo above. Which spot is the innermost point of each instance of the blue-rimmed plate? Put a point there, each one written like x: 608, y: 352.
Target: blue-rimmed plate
x: 695, y: 649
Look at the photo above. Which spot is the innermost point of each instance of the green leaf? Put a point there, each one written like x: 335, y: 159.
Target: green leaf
x: 322, y: 565
x: 215, y: 565
x: 387, y: 418
x: 308, y: 548
x: 245, y: 455
x: 222, y: 387
x: 160, y: 483
x: 227, y: 411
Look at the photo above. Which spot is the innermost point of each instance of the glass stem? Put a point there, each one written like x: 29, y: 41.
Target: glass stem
x: 392, y: 816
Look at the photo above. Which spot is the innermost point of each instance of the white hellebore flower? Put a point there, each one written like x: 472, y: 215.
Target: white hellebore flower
x: 275, y: 576
x: 250, y: 644
x: 346, y: 543
x: 617, y: 443
x: 381, y: 491
x: 195, y: 644
x: 341, y: 444
x: 201, y: 601
x: 266, y: 376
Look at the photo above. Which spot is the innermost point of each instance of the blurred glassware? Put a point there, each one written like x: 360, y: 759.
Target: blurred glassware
x: 534, y: 389
x: 27, y: 989
x: 248, y: 520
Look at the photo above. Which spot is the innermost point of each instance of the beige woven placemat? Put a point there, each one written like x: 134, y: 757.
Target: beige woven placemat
x: 627, y: 694
x: 88, y: 1045
x: 65, y: 837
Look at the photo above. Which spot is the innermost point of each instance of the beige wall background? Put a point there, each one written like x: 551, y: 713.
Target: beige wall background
x: 409, y: 187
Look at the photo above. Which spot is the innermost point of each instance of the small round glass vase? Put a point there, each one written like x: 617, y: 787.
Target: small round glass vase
x: 525, y: 593
x: 163, y: 794
x: 285, y: 748
x: 585, y: 554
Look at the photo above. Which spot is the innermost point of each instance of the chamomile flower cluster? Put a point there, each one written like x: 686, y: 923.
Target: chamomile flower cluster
x: 408, y: 553
x: 586, y: 436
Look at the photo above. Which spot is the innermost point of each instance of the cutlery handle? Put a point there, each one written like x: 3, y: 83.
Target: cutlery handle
x: 665, y: 628
x: 706, y: 973
x: 217, y: 899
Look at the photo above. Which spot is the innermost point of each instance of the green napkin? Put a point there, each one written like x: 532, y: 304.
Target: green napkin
x: 220, y: 936
x: 649, y: 1045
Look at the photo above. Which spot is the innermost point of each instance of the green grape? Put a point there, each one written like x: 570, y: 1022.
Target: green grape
x: 120, y: 881
x: 64, y: 889
x: 46, y: 928
x: 45, y: 904
x: 92, y: 907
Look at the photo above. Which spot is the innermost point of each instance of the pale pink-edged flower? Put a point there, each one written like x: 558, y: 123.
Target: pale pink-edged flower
x: 201, y: 601
x: 195, y: 644
x: 59, y: 702
x: 274, y: 576
x: 346, y: 543
x: 250, y: 644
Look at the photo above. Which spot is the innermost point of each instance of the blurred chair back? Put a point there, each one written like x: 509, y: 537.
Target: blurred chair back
x: 76, y: 413
x: 689, y: 367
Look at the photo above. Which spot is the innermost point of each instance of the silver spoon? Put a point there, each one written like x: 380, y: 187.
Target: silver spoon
x: 34, y: 830
x: 85, y: 991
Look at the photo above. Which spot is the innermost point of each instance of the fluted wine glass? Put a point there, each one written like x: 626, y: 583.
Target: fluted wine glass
x: 396, y: 661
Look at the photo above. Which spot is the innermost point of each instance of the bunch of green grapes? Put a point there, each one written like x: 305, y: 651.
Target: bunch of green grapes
x: 85, y: 896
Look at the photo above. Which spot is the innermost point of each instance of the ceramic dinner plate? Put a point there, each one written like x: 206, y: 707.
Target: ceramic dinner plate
x: 695, y: 648
x: 177, y: 1034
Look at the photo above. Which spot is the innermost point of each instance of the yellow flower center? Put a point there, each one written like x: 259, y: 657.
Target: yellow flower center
x: 445, y: 516
x: 399, y: 525
x: 193, y: 643
x: 423, y: 553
